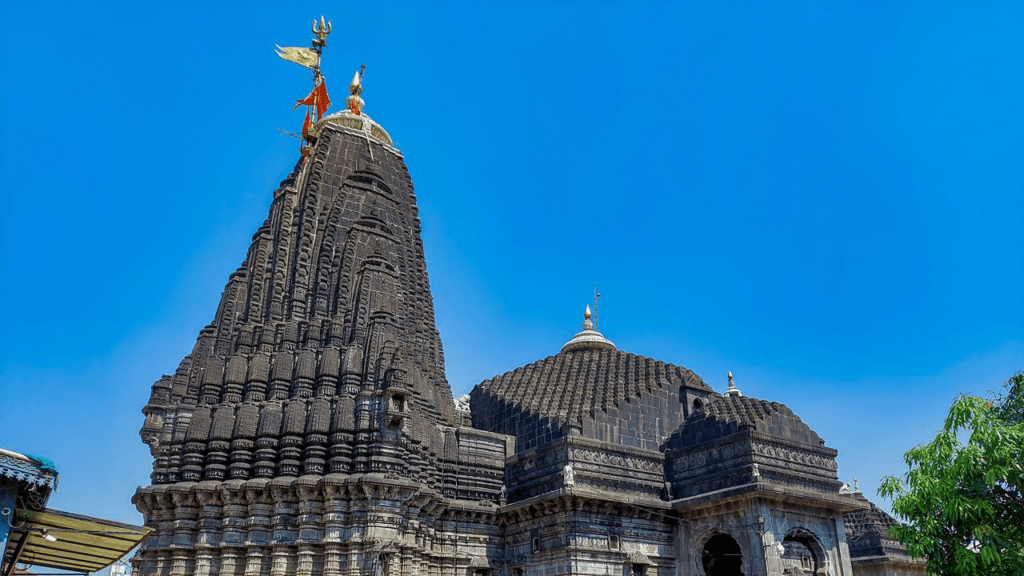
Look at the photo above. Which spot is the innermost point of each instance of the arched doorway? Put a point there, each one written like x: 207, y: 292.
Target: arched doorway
x: 803, y: 553
x: 721, y: 556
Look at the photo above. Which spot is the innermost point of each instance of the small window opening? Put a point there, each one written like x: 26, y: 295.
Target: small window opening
x: 398, y: 402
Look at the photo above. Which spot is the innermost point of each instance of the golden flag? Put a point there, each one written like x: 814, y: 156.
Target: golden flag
x: 302, y: 56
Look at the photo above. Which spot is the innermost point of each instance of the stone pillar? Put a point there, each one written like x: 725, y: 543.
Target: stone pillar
x: 204, y: 558
x: 284, y: 529
x: 179, y: 562
x: 163, y: 563
x: 208, y: 496
x: 185, y: 513
x: 229, y: 561
x: 304, y: 565
x: 253, y: 560
x: 279, y: 560
x: 332, y: 560
x: 260, y: 507
x: 310, y: 532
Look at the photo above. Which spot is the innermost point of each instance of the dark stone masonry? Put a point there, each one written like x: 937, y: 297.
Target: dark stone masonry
x: 312, y: 432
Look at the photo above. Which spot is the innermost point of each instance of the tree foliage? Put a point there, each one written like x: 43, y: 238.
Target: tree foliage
x: 961, y: 501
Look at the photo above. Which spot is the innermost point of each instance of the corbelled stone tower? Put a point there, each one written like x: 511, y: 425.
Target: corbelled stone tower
x: 312, y: 430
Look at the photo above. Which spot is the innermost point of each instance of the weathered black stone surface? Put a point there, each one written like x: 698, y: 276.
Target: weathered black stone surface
x: 736, y: 440
x: 315, y: 404
x: 867, y: 532
x: 311, y: 431
x: 324, y: 338
x: 603, y: 394
x: 727, y: 415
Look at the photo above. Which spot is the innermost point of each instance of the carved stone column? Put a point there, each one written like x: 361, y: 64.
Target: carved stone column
x: 257, y: 495
x: 229, y: 561
x: 279, y: 560
x: 208, y: 496
x: 284, y: 527
x: 186, y: 511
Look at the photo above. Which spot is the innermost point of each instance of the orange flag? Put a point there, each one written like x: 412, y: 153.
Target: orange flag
x: 307, y: 101
x: 323, y: 101
x: 305, y: 126
x: 319, y: 98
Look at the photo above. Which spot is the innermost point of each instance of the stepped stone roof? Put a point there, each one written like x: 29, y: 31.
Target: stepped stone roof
x: 589, y: 388
x: 738, y: 440
x: 576, y: 384
x: 867, y: 533
x: 328, y: 318
x: 724, y: 416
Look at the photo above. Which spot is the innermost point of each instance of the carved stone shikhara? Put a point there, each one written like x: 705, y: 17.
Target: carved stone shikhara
x: 311, y: 431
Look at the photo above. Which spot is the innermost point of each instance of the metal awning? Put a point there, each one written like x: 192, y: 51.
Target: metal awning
x: 81, y: 543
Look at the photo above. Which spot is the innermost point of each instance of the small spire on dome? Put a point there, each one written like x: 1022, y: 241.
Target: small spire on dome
x: 354, y: 103
x: 733, y: 390
x: 588, y: 338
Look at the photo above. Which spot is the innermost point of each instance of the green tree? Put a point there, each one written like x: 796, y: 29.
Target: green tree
x: 962, y: 502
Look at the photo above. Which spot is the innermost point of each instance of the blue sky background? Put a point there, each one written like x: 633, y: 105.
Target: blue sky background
x: 824, y: 198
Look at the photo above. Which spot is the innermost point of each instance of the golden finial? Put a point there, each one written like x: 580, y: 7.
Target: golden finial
x: 354, y: 103
x: 356, y: 87
x: 587, y: 324
x: 321, y: 32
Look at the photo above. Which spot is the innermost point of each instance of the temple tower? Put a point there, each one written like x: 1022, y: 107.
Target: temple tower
x: 312, y: 430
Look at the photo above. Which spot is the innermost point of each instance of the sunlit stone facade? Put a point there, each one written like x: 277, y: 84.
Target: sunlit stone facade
x: 312, y: 431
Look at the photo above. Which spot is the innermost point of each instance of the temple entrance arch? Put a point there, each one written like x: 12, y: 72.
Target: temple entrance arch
x: 803, y: 554
x: 722, y: 556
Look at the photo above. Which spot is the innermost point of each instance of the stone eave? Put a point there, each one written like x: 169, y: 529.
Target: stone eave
x: 752, y: 435
x: 789, y: 494
x: 576, y: 440
x: 661, y: 506
x: 883, y: 559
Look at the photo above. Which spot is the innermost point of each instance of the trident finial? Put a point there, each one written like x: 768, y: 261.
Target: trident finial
x: 321, y: 32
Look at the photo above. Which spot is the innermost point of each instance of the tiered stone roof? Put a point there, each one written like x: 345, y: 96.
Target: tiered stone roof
x: 729, y: 414
x: 580, y: 384
x: 605, y: 393
x: 324, y: 335
x: 867, y: 533
x: 736, y: 440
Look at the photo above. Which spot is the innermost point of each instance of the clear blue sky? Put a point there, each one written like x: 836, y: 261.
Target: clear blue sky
x: 824, y: 197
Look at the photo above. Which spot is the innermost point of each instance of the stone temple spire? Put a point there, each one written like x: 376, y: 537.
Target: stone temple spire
x: 329, y: 316
x: 320, y: 376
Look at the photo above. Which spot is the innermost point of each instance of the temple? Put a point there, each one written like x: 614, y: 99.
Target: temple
x: 312, y: 431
